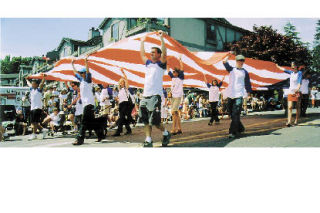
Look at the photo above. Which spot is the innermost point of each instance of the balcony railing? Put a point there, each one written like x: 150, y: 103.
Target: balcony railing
x: 147, y: 26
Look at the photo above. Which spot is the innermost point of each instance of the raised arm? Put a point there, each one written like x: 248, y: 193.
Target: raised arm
x: 299, y: 81
x: 42, y: 81
x: 181, y: 63
x: 86, y: 64
x: 221, y: 82
x: 142, y: 51
x: 73, y: 68
x: 125, y: 78
x: 163, y: 48
x: 28, y: 82
x: 283, y: 69
x: 226, y: 64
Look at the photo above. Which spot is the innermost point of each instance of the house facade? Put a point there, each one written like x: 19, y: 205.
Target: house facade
x: 197, y: 34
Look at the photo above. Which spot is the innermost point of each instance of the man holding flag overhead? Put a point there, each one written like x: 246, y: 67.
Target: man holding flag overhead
x: 239, y: 84
x: 150, y: 105
x: 87, y: 99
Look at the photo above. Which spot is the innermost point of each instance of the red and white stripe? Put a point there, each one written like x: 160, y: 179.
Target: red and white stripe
x: 105, y: 65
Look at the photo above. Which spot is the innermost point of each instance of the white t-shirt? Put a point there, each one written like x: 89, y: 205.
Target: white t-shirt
x: 79, y: 108
x: 304, y: 86
x: 86, y: 93
x: 177, y: 84
x: 285, y: 93
x: 55, y: 119
x: 313, y: 94
x: 36, y: 98
x: 213, y: 93
x: 105, y: 95
x: 153, y: 81
x: 295, y: 80
x: 236, y: 87
x: 123, y: 95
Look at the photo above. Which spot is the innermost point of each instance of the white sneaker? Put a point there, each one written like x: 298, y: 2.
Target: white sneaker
x: 33, y: 136
x: 44, y: 133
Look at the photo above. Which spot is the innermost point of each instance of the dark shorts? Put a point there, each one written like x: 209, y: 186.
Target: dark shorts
x: 150, y: 110
x: 35, y: 115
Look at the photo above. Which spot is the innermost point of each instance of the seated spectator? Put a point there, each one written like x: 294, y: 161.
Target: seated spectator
x: 20, y: 126
x: 56, y: 121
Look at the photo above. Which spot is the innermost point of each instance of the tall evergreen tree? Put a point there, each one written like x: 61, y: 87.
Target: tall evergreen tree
x: 291, y: 31
x: 316, y: 49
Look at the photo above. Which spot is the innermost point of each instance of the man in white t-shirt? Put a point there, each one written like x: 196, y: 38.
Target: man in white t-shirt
x: 239, y: 85
x: 150, y: 105
x: 36, y: 106
x: 87, y: 99
x: 105, y: 103
x: 177, y: 77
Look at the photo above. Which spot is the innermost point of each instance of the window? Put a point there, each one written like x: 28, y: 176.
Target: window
x: 211, y: 32
x: 132, y: 22
x: 115, y: 31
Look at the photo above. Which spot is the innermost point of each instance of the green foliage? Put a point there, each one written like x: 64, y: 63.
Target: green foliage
x: 291, y: 31
x: 11, y: 65
x: 316, y: 49
x: 267, y: 44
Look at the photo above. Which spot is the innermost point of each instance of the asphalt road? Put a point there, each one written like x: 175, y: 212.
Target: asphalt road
x: 265, y: 129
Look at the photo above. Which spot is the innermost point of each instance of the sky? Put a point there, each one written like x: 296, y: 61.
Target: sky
x: 36, y: 36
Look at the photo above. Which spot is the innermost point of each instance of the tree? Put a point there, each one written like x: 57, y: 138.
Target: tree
x: 291, y: 31
x: 267, y: 44
x: 316, y: 49
x: 11, y: 65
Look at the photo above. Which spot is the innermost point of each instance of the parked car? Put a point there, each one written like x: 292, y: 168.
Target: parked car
x: 7, y: 116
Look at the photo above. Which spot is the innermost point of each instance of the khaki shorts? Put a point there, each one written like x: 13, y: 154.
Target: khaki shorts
x: 175, y: 104
x: 150, y: 110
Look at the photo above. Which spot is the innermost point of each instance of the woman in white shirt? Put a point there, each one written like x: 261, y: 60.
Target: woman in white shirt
x: 214, y: 88
x: 294, y: 94
x: 126, y: 104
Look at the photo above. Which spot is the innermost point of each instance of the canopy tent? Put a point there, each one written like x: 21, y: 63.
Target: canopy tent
x: 105, y: 65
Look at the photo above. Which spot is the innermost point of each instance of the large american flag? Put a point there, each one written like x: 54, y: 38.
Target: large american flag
x: 105, y: 65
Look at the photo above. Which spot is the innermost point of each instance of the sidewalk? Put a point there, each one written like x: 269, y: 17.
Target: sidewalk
x: 304, y: 135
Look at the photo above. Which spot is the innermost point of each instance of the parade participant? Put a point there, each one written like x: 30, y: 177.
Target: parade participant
x: 164, y: 99
x: 285, y: 100
x: 213, y: 98
x: 294, y: 94
x: 26, y: 106
x: 87, y: 99
x: 239, y: 84
x: 305, y: 90
x: 150, y: 105
x: 125, y: 107
x: 47, y: 96
x: 318, y: 98
x: 36, y: 107
x: 75, y: 107
x: 105, y: 103
x: 313, y: 94
x: 177, y: 77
